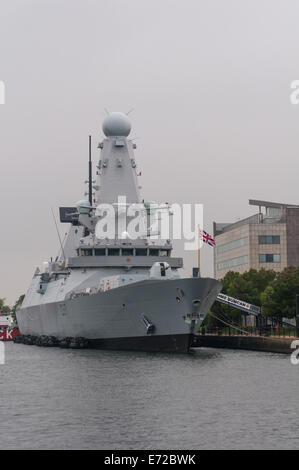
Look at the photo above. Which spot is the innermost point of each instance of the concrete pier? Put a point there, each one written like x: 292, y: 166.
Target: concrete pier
x: 250, y: 343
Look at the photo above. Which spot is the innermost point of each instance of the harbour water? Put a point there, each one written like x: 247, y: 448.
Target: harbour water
x: 91, y: 399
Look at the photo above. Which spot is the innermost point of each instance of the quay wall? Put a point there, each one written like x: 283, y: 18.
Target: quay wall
x: 251, y: 343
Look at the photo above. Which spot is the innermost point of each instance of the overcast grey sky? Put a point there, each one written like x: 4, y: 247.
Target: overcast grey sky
x: 210, y: 84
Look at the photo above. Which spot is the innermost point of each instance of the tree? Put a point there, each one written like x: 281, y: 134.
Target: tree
x: 16, y: 305
x: 18, y: 302
x: 4, y: 308
x: 279, y: 297
x: 222, y: 310
x: 248, y: 287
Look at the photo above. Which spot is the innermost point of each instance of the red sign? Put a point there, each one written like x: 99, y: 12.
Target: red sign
x: 9, y: 334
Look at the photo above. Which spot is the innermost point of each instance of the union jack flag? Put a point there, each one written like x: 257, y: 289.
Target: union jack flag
x: 206, y: 238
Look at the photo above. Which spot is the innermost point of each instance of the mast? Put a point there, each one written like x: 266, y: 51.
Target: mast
x: 90, y: 174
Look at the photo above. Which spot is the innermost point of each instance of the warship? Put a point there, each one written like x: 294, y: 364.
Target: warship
x: 115, y: 291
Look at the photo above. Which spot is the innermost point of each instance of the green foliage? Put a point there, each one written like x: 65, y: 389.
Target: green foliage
x: 18, y: 302
x: 16, y: 305
x: 248, y: 287
x: 221, y: 310
x: 4, y: 308
x: 7, y: 309
x: 279, y: 297
x: 274, y: 292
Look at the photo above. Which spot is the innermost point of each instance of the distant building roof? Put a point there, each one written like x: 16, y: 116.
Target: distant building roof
x: 278, y: 205
x: 257, y: 218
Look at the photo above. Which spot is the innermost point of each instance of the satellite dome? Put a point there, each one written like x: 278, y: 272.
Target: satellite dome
x: 116, y: 124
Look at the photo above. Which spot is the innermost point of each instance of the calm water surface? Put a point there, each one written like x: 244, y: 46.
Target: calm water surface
x: 65, y: 399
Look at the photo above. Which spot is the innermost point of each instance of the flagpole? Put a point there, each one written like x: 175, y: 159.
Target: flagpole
x: 198, y: 251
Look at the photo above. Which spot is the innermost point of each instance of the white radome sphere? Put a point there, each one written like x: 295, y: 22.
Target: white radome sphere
x: 116, y: 124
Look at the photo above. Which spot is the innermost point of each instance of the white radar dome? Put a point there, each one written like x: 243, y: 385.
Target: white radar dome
x: 116, y: 124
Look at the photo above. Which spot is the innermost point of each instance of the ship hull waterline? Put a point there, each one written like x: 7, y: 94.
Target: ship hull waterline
x: 116, y: 319
x: 150, y: 343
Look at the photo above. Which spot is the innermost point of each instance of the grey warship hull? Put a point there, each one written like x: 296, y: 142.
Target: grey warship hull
x: 115, y: 319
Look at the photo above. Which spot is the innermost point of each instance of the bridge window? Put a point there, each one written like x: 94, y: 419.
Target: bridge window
x: 269, y: 258
x: 153, y: 252
x: 127, y: 251
x: 113, y: 251
x: 86, y: 251
x: 269, y: 239
x: 100, y: 252
x: 141, y: 252
x: 164, y: 253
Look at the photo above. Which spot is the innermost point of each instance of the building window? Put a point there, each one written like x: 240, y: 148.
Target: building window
x: 273, y: 212
x: 269, y: 239
x: 269, y: 258
x: 86, y: 252
x: 100, y: 252
x: 232, y: 245
x: 113, y: 251
x: 127, y: 251
x: 230, y: 263
x: 141, y: 251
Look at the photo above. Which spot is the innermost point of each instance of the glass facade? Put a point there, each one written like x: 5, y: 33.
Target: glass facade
x: 230, y: 263
x: 269, y: 239
x: 269, y: 258
x: 232, y: 245
x: 273, y: 212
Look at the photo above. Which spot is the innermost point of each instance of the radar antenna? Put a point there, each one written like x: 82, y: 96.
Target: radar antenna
x: 90, y: 174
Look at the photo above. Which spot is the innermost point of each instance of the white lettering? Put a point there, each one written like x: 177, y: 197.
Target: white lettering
x: 295, y: 354
x: 294, y: 97
x: 9, y: 334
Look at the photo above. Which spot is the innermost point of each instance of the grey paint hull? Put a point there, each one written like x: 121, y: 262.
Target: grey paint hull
x: 114, y: 319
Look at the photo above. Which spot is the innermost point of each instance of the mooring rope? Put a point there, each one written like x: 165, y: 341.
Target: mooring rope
x: 228, y: 324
